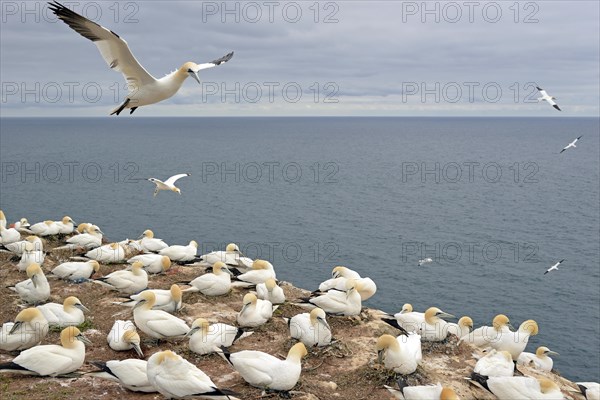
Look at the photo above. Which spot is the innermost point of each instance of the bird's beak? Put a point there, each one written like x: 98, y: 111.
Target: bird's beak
x: 191, y: 331
x: 33, y: 280
x: 446, y: 316
x: 323, y: 322
x: 552, y: 353
x: 138, y: 350
x: 83, y: 339
x: 195, y: 76
x: 244, y: 308
x: 99, y: 231
x: 139, y: 303
x: 227, y: 270
x: 510, y: 326
x: 141, y: 236
x: 82, y: 307
x: 15, y: 327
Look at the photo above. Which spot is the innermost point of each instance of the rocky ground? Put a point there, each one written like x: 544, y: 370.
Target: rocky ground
x: 345, y: 370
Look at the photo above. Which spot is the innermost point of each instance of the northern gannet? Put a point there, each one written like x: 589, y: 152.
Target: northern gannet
x: 270, y: 291
x: 572, y: 144
x: 216, y: 283
x: 30, y: 256
x: 429, y: 325
x: 175, y: 377
x: 495, y: 363
x: 75, y: 271
x: 515, y: 342
x: 51, y: 360
x: 125, y: 281
x: 540, y: 360
x: 144, y: 89
x: 157, y: 324
x: 66, y: 226
x: 311, y: 328
x: 337, y: 302
x: 34, y: 290
x: 9, y: 235
x: 428, y: 392
x: 232, y: 256
x: 338, y: 282
x: 168, y: 185
x: 19, y: 247
x: 264, y: 371
x: 28, y: 330
x: 89, y: 239
x: 123, y: 336
x: 259, y: 273
x: 425, y: 261
x: 46, y: 228
x: 179, y: 253
x: 206, y: 338
x: 66, y: 314
x: 554, y: 267
x: 150, y: 243
x: 484, y: 335
x: 22, y: 226
x: 546, y: 97
x: 166, y: 300
x: 401, y: 354
x: 109, y: 253
x: 153, y: 263
x: 519, y: 387
x: 130, y: 373
x: 254, y: 312
x: 590, y: 390
x: 462, y: 328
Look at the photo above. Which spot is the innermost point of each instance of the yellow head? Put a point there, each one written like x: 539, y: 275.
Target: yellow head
x: 95, y: 265
x: 260, y: 264
x: 2, y: 216
x: 270, y: 284
x: 448, y: 394
x: 165, y: 262
x: 466, y: 322
x: 406, y: 308
x: 200, y: 324
x: 193, y: 243
x: 28, y: 315
x: 66, y: 220
x: 500, y: 321
x: 433, y: 313
x: 70, y: 335
x: 33, y: 269
x: 148, y: 234
x: 83, y: 227
x: 547, y: 386
x: 530, y: 326
x: 137, y: 267
x: 175, y: 292
x: 232, y: 247
x: 114, y: 246
x: 73, y: 302
x: 217, y: 267
x: 338, y: 271
x: 166, y: 355
x: 147, y: 300
x: 297, y: 352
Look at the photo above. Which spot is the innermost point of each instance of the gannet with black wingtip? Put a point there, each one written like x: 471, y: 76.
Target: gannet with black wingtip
x: 216, y: 283
x: 169, y: 184
x: 8, y: 236
x: 347, y: 303
x: 123, y: 336
x: 554, y: 267
x: 515, y: 342
x: 144, y: 89
x: 30, y: 256
x: 166, y: 300
x: 429, y: 325
x: 402, y: 354
x: 91, y: 238
x: 19, y: 247
x: 519, y: 387
x: 270, y: 291
x: 405, y: 314
x: 179, y: 253
x: 153, y: 263
x: 546, y: 97
x: 572, y: 144
x: 176, y: 378
x: 232, y: 256
x: 70, y: 313
x: 130, y: 373
x: 495, y: 363
x: 589, y: 390
x: 254, y: 312
x: 484, y: 335
x: 259, y: 273
x: 28, y: 330
x: 338, y: 282
x: 311, y: 328
x: 125, y: 281
x: 45, y: 228
x: 428, y: 392
x: 35, y: 289
x: 462, y: 328
x: 208, y: 338
x: 51, y: 360
x: 66, y: 226
x: 76, y: 270
x: 264, y: 371
x: 539, y: 360
x: 157, y: 324
x: 109, y: 253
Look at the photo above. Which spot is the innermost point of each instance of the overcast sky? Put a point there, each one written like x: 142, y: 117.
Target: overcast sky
x: 395, y: 58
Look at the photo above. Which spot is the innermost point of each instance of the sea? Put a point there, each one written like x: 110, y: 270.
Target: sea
x: 491, y: 201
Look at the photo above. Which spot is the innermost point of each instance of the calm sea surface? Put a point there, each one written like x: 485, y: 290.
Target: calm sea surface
x: 489, y: 199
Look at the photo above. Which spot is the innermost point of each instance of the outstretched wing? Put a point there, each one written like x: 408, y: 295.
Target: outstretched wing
x: 216, y: 62
x: 542, y: 91
x: 113, y: 49
x: 174, y: 178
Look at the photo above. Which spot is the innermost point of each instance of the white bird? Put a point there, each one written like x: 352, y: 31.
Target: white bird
x: 175, y: 377
x: 539, y: 360
x: 2, y: 219
x: 425, y: 261
x: 125, y: 281
x: 150, y: 243
x: 90, y: 239
x: 46, y: 228
x: 167, y: 300
x: 267, y: 372
x: 34, y: 290
x: 28, y: 330
x: 337, y: 302
x: 515, y: 342
x: 462, y: 328
x: 254, y: 312
x: 572, y: 144
x: 19, y: 247
x: 519, y: 387
x: 429, y: 392
x: 206, y: 338
x: 66, y: 314
x: 30, y: 256
x: 231, y: 256
x: 259, y: 273
x: 8, y: 236
x: 75, y: 271
x: 429, y: 325
x: 484, y: 335
x: 131, y: 246
x: 153, y: 263
x: 123, y: 336
x: 180, y: 253
x: 66, y: 226
x: 51, y: 360
x: 270, y: 291
x: 338, y: 282
x: 311, y: 328
x: 157, y: 324
x: 168, y: 185
x: 109, y: 253
x: 402, y: 354
x: 130, y: 373
x: 495, y: 363
x: 216, y: 283
x: 554, y: 267
x: 590, y: 390
x: 546, y: 97
x: 22, y: 226
x: 144, y: 89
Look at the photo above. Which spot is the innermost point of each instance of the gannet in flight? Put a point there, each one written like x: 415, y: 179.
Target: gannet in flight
x: 144, y: 89
x: 546, y: 97
x: 169, y: 184
x: 554, y: 267
x: 572, y: 144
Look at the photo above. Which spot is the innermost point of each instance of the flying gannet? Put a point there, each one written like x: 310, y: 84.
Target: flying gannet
x: 572, y: 144
x: 554, y: 267
x: 549, y: 99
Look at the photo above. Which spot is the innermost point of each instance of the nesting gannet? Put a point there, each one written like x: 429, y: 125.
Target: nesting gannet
x: 66, y: 226
x: 34, y: 290
x: 254, y: 312
x: 168, y: 185
x: 495, y: 363
x: 51, y: 360
x: 153, y: 263
x: 546, y: 97
x: 123, y: 336
x: 8, y: 236
x: 484, y: 335
x: 589, y: 390
x: 131, y: 246
x: 462, y: 328
x: 540, y: 360
x: 267, y: 372
x: 158, y: 324
x: 572, y: 144
x: 232, y: 256
x: 28, y: 330
x: 519, y: 387
x: 429, y: 325
x: 216, y: 283
x: 19, y: 247
x: 30, y: 256
x: 22, y: 226
x: 425, y: 261
x: 90, y: 239
x: 180, y: 253
x: 110, y: 253
x: 144, y: 89
x: 66, y: 314
x: 311, y: 328
x: 338, y: 282
x: 346, y: 303
x: 165, y: 300
x: 270, y: 291
x: 515, y: 342
x: 429, y: 392
x: 130, y: 373
x: 46, y: 228
x: 401, y: 354
x: 554, y: 267
x: 74, y: 271
x: 259, y: 273
x: 206, y: 338
x: 175, y: 377
x: 151, y: 244
x: 126, y: 281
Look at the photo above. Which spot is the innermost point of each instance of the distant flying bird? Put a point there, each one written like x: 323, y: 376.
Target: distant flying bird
x: 144, y: 89
x: 425, y: 261
x: 572, y: 144
x: 169, y: 184
x: 554, y: 267
x: 546, y: 97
